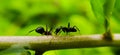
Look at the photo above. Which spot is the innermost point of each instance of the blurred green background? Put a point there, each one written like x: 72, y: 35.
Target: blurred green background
x: 18, y: 17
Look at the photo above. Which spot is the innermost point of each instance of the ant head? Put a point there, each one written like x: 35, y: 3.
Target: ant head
x: 40, y: 30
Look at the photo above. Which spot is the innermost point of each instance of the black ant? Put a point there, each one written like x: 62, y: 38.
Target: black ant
x: 66, y: 29
x: 41, y: 30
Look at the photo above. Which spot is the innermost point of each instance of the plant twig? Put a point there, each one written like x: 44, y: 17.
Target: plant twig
x: 44, y: 43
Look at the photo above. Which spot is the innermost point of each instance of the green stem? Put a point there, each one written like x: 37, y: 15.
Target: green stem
x: 108, y: 7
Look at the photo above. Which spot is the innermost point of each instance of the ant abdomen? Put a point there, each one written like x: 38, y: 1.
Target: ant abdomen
x: 40, y: 30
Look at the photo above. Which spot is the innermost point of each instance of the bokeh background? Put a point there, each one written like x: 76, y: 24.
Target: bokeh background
x: 18, y: 17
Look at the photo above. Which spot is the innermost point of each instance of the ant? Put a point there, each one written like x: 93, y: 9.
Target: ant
x: 41, y: 30
x: 66, y: 29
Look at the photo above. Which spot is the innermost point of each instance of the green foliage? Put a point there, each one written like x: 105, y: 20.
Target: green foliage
x: 15, y: 50
x: 18, y: 17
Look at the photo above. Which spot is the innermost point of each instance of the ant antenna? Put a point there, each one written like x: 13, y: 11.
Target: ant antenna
x: 50, y: 29
x: 68, y: 24
x: 47, y: 28
x: 77, y: 29
x: 30, y: 31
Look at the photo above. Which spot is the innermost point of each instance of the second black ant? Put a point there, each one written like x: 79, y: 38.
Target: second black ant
x: 66, y: 29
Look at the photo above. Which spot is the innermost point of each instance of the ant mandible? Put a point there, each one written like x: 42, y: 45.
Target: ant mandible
x: 41, y: 30
x: 66, y: 29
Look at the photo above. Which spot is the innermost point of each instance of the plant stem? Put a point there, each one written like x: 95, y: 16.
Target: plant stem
x: 45, y: 43
x: 108, y: 7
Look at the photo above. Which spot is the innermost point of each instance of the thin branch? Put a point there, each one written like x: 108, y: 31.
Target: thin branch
x: 44, y: 43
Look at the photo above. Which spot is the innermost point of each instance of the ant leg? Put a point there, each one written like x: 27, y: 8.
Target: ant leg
x: 48, y: 32
x: 69, y: 25
x: 30, y: 31
x: 58, y: 31
x: 67, y: 33
x: 46, y: 28
x: 50, y: 29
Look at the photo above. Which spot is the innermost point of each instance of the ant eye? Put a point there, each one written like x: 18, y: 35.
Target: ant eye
x: 40, y: 30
